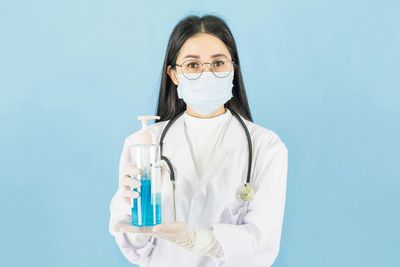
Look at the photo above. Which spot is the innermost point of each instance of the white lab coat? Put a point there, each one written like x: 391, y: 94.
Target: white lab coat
x: 249, y: 233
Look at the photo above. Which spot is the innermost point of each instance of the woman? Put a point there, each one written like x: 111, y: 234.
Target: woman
x: 202, y: 87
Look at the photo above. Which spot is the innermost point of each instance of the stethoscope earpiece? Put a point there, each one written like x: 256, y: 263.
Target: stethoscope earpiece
x: 247, y: 192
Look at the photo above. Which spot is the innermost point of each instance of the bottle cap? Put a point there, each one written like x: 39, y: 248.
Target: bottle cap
x: 144, y: 135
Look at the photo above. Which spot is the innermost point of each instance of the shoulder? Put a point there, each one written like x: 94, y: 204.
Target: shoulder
x: 270, y: 153
x: 264, y: 138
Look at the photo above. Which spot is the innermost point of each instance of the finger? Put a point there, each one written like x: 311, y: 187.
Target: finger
x: 128, y: 200
x: 126, y: 220
x: 128, y: 181
x: 159, y: 228
x: 130, y: 194
x: 124, y: 227
x: 117, y: 225
x: 164, y: 228
x: 127, y: 228
x: 169, y: 228
x: 162, y: 234
x: 130, y: 170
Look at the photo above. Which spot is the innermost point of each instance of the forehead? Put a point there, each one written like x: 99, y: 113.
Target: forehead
x: 203, y: 45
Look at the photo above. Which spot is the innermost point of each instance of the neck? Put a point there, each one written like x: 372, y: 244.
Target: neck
x: 216, y: 113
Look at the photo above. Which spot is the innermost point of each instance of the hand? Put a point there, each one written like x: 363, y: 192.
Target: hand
x: 127, y: 182
x: 177, y: 232
x: 201, y: 241
x: 125, y: 226
x: 122, y: 208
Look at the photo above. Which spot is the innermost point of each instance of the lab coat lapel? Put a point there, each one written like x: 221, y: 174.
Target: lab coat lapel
x: 176, y: 148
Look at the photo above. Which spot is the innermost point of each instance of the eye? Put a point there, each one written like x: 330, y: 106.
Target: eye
x: 193, y: 65
x: 218, y: 63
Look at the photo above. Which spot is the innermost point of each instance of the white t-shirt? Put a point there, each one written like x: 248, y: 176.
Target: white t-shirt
x: 204, y: 136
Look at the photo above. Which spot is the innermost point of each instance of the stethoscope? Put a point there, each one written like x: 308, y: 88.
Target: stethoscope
x: 246, y: 193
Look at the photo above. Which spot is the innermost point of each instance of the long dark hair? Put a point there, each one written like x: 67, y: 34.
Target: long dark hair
x: 169, y: 104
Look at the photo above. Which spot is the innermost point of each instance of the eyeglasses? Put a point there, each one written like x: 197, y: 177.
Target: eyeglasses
x: 220, y: 67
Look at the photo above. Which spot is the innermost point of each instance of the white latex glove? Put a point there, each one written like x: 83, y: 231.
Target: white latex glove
x: 201, y: 241
x: 177, y: 232
x: 127, y: 183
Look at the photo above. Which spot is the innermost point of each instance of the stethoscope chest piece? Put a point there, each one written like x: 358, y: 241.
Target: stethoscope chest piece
x: 247, y: 192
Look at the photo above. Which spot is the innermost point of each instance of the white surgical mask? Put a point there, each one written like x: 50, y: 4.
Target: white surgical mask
x: 207, y: 93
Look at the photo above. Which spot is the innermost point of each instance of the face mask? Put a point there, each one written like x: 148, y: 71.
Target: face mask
x: 207, y: 93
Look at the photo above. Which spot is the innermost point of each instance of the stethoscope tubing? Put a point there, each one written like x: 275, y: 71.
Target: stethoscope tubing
x: 170, y: 167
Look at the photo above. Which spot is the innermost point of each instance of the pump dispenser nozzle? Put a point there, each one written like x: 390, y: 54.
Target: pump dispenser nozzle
x: 144, y: 135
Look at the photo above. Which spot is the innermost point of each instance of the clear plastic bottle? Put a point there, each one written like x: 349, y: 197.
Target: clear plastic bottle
x: 146, y: 209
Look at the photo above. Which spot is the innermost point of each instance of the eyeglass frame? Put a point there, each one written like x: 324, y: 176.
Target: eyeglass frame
x: 202, y: 67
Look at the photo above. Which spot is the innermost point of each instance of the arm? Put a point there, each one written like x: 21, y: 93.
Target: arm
x: 258, y: 239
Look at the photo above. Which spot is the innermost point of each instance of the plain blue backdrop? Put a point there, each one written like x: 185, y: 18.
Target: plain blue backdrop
x: 75, y: 74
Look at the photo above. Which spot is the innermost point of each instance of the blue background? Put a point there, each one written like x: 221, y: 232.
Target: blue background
x: 75, y: 74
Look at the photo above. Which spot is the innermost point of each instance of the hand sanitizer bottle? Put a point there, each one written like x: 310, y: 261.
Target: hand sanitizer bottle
x: 146, y: 209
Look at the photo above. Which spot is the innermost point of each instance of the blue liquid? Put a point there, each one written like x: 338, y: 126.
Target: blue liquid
x: 150, y: 208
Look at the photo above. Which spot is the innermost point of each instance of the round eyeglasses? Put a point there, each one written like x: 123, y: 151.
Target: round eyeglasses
x: 193, y: 68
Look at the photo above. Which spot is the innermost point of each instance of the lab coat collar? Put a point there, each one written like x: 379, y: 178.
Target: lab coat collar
x: 176, y: 148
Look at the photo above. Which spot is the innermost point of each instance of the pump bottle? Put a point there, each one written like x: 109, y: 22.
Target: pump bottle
x: 146, y: 209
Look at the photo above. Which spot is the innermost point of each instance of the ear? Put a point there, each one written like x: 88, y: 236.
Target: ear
x: 173, y: 75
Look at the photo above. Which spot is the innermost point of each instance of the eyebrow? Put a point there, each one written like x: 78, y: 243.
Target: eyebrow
x: 213, y: 56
